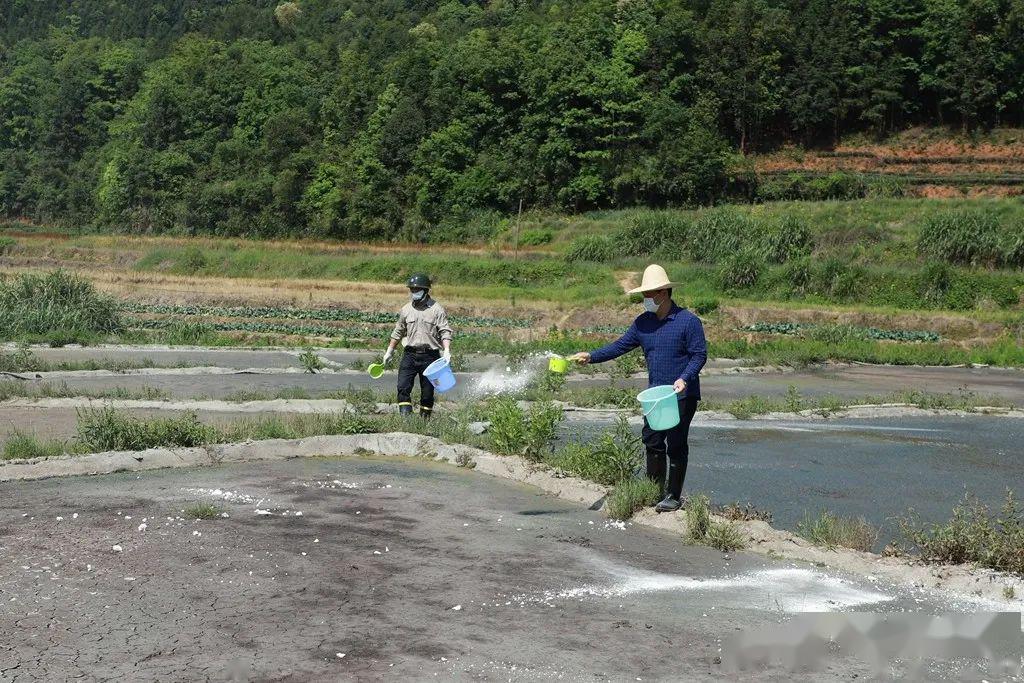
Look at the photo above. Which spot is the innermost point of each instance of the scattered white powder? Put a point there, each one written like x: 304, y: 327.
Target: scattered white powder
x: 229, y: 496
x: 791, y: 590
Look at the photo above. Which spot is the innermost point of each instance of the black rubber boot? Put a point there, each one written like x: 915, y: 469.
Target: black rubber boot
x: 405, y: 410
x: 669, y: 504
x: 656, y: 469
x: 425, y: 413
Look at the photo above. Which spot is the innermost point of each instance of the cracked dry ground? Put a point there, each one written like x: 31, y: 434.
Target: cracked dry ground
x: 409, y: 569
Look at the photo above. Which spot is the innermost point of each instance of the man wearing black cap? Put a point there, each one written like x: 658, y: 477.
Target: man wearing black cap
x: 424, y: 325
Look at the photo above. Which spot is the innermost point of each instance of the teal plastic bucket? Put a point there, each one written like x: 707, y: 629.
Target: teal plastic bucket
x: 661, y: 407
x: 440, y: 375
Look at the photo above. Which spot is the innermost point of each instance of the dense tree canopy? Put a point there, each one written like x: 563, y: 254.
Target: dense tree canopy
x: 398, y: 118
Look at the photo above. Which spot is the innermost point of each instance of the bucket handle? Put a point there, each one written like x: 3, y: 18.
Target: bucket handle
x: 657, y: 401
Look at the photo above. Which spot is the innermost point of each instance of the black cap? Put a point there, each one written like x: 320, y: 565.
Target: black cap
x: 419, y: 281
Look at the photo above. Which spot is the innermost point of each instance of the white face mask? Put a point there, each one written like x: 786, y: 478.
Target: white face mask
x: 650, y: 305
x: 417, y: 296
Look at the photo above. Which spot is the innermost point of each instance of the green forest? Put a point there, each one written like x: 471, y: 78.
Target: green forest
x: 404, y: 119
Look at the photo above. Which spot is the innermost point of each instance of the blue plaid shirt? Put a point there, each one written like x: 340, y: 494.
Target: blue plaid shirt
x: 674, y: 348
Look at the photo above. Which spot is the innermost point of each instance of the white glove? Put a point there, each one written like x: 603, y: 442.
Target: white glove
x: 387, y: 356
x: 447, y: 355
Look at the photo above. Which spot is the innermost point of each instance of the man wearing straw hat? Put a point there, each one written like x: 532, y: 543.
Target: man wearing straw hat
x: 423, y: 323
x: 673, y: 342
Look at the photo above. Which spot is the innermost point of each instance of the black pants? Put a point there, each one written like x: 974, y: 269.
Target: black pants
x: 414, y: 362
x: 670, y: 445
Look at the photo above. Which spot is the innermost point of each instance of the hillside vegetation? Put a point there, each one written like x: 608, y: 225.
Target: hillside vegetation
x: 390, y: 119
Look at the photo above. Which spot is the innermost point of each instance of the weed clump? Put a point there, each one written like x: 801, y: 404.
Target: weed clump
x: 527, y: 433
x: 106, y: 429
x: 311, y: 362
x: 58, y: 308
x: 612, y: 458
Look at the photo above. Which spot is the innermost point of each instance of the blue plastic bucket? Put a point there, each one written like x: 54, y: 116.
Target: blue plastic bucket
x: 661, y: 407
x: 440, y: 375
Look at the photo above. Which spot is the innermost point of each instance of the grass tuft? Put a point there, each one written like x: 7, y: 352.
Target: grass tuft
x: 698, y: 518
x: 832, y: 531
x: 203, y: 511
x: 724, y: 536
x: 701, y: 529
x: 630, y: 496
x: 20, y: 445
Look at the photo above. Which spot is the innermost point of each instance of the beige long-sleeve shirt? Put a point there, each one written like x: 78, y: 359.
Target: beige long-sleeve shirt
x: 423, y: 325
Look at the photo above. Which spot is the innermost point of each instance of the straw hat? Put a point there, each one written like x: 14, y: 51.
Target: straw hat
x: 655, y: 278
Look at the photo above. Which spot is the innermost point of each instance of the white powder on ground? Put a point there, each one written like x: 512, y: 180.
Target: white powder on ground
x: 229, y: 496
x: 331, y: 484
x: 789, y: 590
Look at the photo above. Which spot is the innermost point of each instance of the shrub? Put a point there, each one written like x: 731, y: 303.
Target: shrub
x: 632, y: 495
x: 192, y: 261
x: 22, y: 360
x: 741, y: 271
x: 56, y: 304
x: 837, y: 185
x: 529, y: 434
x: 7, y: 244
x: 794, y: 186
x: 536, y: 237
x: 973, y: 535
x: 598, y: 248
x: 311, y: 362
x: 542, y: 422
x: 508, y: 426
x: 831, y: 531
